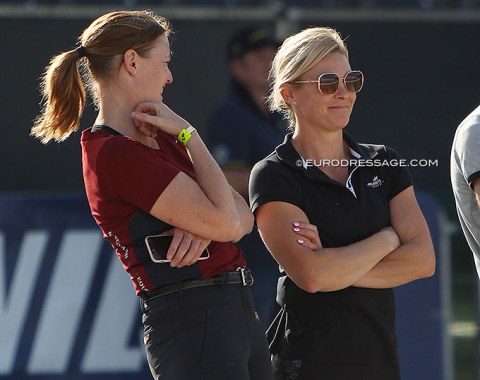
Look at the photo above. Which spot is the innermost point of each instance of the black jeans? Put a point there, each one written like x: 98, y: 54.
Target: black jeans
x: 207, y: 333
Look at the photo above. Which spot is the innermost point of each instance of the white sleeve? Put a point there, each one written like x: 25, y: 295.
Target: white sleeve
x: 467, y: 147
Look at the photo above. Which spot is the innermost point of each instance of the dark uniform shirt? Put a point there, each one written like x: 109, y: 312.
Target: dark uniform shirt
x: 240, y: 134
x: 353, y: 327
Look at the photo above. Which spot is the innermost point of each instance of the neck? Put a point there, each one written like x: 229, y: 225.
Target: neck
x: 116, y: 114
x: 324, y: 148
x: 320, y: 145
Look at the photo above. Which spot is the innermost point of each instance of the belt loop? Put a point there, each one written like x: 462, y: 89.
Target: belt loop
x: 242, y: 272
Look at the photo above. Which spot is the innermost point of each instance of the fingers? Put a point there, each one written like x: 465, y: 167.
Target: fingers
x: 186, y: 254
x: 308, y: 244
x: 151, y: 116
x: 147, y: 130
x: 308, y: 235
x: 185, y: 248
x: 179, y: 247
x: 148, y: 107
x: 146, y: 116
x: 302, y: 226
x: 142, y: 119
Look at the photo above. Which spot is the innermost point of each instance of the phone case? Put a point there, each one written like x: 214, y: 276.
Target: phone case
x: 158, y: 245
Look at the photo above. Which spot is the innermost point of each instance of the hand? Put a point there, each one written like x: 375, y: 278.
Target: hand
x: 185, y: 248
x: 392, y: 237
x: 309, y: 235
x: 148, y: 117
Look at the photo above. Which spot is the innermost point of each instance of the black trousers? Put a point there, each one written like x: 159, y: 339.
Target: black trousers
x: 298, y: 369
x: 207, y: 333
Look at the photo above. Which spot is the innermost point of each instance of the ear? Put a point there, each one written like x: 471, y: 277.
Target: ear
x: 288, y: 93
x: 130, y: 58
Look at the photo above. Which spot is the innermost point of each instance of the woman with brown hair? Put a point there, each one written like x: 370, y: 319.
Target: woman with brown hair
x: 148, y: 174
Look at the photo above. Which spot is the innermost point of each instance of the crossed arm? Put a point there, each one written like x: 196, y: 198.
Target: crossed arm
x: 187, y: 247
x: 390, y: 257
x: 201, y: 210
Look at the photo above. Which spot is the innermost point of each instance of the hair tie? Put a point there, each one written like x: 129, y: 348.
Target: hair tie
x: 81, y: 51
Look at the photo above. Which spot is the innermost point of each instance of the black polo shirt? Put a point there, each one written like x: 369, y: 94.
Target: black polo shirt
x: 352, y: 327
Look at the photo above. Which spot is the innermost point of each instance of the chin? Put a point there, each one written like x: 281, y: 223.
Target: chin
x: 342, y: 124
x: 339, y: 125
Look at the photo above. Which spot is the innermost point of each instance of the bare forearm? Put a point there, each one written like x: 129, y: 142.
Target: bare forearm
x: 415, y: 258
x: 213, y: 212
x: 244, y: 213
x: 337, y: 268
x: 210, y: 177
x: 312, y: 267
x: 238, y: 179
x: 411, y: 261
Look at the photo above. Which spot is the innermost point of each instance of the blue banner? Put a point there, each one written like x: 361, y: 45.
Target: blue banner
x: 69, y: 311
x: 423, y: 308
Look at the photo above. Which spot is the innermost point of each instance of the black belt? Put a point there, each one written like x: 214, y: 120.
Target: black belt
x: 241, y: 276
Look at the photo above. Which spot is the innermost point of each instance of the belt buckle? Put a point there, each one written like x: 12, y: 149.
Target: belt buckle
x: 243, y: 271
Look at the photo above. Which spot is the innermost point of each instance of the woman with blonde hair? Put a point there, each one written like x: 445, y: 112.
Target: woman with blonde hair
x: 343, y: 228
x: 160, y: 200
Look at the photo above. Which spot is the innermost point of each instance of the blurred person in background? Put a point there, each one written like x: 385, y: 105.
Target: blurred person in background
x: 465, y: 177
x: 242, y: 131
x: 147, y: 172
x: 344, y: 234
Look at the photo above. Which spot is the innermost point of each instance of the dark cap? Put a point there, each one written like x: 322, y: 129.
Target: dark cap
x: 249, y: 39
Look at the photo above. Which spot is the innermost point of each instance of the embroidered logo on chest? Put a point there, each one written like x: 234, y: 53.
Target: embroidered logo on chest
x: 376, y: 182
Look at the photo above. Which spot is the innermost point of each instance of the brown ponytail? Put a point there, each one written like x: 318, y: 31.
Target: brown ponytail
x: 63, y: 99
x: 102, y: 44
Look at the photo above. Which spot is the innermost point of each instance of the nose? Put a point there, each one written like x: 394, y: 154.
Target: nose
x: 170, y: 77
x: 342, y: 91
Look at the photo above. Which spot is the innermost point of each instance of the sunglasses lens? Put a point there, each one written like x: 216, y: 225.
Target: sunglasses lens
x: 328, y: 83
x: 354, y: 81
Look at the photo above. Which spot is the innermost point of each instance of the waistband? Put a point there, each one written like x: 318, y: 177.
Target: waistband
x: 241, y: 276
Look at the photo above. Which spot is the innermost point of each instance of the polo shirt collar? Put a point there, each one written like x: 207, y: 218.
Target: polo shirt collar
x: 362, y: 151
x: 287, y: 153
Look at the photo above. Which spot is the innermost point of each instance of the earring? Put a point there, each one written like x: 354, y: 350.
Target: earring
x: 294, y: 103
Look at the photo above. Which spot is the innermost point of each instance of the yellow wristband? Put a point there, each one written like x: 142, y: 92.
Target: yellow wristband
x: 185, y: 135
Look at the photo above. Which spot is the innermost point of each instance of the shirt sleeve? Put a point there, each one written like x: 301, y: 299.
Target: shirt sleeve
x: 400, y: 177
x: 134, y: 173
x: 467, y: 149
x: 272, y: 181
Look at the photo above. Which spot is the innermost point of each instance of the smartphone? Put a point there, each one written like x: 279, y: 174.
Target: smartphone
x: 158, y: 245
